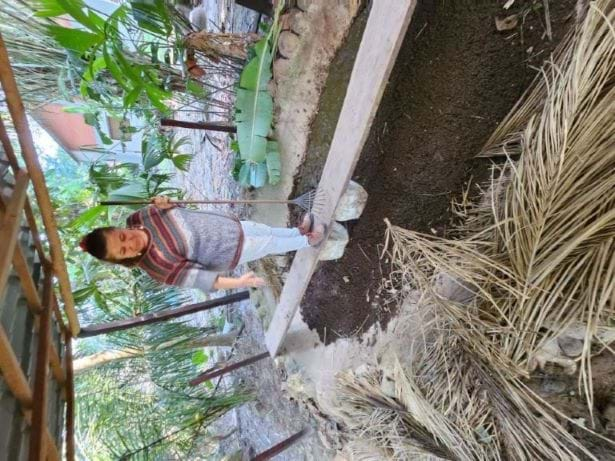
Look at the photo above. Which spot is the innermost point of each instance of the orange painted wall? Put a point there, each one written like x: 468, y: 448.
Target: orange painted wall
x: 68, y: 130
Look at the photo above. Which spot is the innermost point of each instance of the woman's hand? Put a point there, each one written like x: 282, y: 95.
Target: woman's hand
x: 248, y: 280
x: 163, y: 203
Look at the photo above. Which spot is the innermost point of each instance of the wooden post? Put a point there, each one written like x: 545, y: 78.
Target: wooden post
x: 27, y: 283
x: 384, y: 33
x: 38, y: 447
x: 282, y: 446
x: 153, y: 317
x: 210, y: 126
x: 260, y: 6
x: 222, y: 371
x: 12, y: 158
x: 9, y: 227
x: 70, y: 400
x: 28, y: 152
x: 12, y: 373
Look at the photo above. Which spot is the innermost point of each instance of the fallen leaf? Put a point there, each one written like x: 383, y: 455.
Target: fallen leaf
x: 507, y: 23
x: 508, y: 4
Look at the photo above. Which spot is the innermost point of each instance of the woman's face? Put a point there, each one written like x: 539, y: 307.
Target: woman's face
x: 125, y: 243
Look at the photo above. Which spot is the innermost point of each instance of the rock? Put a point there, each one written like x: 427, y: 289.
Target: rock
x: 198, y: 17
x: 297, y: 387
x: 571, y: 347
x: 550, y: 352
x: 387, y: 387
x: 507, y: 23
x: 552, y: 386
x: 352, y: 203
x: 300, y: 23
x: 288, y: 44
x: 454, y: 290
x: 281, y: 69
x: 336, y: 243
x: 304, y: 5
x: 285, y: 21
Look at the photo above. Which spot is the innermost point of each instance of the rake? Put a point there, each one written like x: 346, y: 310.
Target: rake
x: 305, y: 201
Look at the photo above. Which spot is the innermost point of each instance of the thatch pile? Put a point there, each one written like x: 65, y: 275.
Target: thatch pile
x: 535, y: 257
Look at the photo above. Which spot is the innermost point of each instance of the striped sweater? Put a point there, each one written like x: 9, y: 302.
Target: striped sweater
x: 188, y: 248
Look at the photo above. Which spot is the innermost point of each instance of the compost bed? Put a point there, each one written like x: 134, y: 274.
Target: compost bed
x: 455, y: 79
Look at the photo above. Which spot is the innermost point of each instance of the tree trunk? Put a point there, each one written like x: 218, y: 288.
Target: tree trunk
x: 209, y: 126
x: 216, y: 45
x: 103, y: 358
x: 221, y: 340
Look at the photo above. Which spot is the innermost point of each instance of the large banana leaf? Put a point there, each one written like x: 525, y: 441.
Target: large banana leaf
x: 253, y: 123
x: 254, y: 113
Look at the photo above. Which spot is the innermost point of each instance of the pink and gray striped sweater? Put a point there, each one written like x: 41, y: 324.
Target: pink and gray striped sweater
x: 188, y: 248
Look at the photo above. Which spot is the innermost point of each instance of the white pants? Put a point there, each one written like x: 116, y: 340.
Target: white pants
x: 261, y: 240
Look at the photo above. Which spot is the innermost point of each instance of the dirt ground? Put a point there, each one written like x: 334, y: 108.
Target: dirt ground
x: 561, y: 391
x: 456, y: 77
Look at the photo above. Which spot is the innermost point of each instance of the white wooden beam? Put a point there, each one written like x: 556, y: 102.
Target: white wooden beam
x: 384, y: 33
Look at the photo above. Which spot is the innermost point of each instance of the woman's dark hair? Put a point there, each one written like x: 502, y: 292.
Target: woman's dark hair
x: 95, y: 243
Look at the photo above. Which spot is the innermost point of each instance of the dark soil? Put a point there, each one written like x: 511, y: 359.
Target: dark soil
x: 561, y: 391
x: 455, y: 79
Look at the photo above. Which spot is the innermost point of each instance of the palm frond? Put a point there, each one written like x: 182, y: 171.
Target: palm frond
x: 530, y: 260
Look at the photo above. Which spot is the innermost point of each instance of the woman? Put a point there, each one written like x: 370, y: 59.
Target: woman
x: 190, y: 248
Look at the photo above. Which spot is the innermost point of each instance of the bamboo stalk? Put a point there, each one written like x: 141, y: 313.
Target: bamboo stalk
x: 12, y: 158
x: 9, y: 227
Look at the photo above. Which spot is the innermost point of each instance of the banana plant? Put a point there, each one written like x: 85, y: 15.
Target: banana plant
x: 259, y: 156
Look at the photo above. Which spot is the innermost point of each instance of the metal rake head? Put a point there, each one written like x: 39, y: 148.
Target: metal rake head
x: 311, y: 201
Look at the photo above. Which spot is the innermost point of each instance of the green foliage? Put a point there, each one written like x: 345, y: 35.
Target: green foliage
x: 195, y: 88
x: 145, y: 402
x: 260, y: 158
x: 101, y: 43
x: 153, y: 16
x: 274, y: 165
x: 199, y: 357
x: 158, y: 147
x: 74, y: 39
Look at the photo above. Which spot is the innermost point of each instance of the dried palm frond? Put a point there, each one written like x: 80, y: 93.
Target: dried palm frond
x: 535, y: 254
x: 41, y: 68
x: 539, y: 248
x: 449, y: 406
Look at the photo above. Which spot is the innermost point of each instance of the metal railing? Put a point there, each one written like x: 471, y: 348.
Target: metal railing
x: 45, y: 308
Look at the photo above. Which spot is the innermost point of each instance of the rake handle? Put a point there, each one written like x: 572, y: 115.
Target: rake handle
x: 187, y: 202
